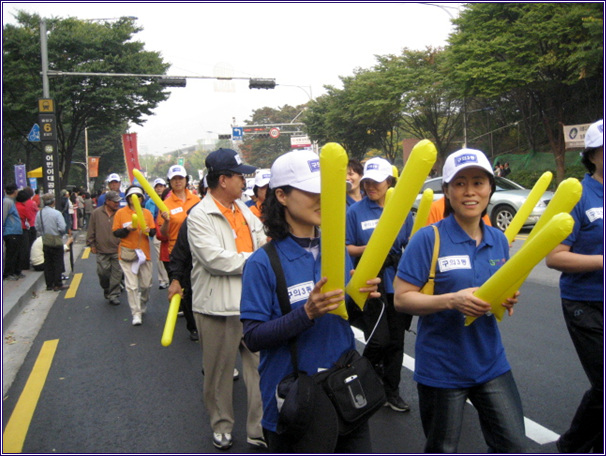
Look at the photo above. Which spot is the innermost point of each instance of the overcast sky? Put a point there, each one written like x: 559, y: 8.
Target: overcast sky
x: 304, y: 46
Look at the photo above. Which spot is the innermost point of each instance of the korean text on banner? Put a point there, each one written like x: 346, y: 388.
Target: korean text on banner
x: 131, y: 156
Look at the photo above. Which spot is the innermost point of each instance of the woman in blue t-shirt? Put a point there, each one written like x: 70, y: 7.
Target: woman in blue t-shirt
x: 291, y: 216
x: 455, y: 362
x: 580, y: 257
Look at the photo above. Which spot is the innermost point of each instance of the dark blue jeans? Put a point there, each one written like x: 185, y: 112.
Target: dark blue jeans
x: 585, y: 322
x: 499, y: 408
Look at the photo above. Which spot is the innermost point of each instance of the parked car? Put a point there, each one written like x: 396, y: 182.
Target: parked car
x: 504, y: 204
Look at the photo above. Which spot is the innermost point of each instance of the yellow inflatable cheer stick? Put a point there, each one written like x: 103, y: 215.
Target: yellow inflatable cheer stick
x: 333, y: 174
x: 135, y: 221
x: 565, y: 198
x: 531, y: 201
x: 519, y: 266
x: 171, y: 320
x: 150, y: 190
x: 139, y: 212
x: 388, y: 194
x: 422, y: 158
x: 423, y: 210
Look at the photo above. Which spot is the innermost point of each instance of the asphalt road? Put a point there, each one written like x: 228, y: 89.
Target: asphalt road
x: 113, y: 388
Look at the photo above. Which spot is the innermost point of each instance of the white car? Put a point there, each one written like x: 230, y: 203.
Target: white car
x: 504, y: 204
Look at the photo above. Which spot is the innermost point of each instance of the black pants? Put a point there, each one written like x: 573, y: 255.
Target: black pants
x: 24, y: 254
x: 585, y: 322
x: 186, y: 302
x: 12, y: 258
x: 53, y: 266
x: 385, y: 349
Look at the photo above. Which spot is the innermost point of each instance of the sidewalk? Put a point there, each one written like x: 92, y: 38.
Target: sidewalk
x: 15, y: 294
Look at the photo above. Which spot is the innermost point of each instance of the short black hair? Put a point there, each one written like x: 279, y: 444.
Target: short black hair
x: 10, y: 188
x: 356, y: 166
x: 586, y: 155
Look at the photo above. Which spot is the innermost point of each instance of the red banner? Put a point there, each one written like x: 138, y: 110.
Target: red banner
x: 131, y: 156
x: 93, y: 167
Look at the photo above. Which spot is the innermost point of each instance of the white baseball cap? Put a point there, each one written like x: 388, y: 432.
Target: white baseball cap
x: 176, y: 170
x: 159, y: 181
x: 262, y: 177
x: 464, y: 158
x: 113, y: 178
x: 299, y: 169
x: 250, y: 183
x: 594, y: 136
x: 378, y: 169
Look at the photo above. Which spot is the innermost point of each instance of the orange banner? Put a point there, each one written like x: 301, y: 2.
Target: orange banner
x: 93, y: 167
x: 131, y: 156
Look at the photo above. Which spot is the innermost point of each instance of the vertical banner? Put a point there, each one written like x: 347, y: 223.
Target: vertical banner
x: 20, y: 178
x: 93, y: 167
x: 33, y: 183
x: 131, y: 156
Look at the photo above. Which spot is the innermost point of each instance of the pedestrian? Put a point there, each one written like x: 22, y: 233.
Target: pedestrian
x: 506, y: 170
x: 102, y: 242
x: 113, y: 183
x: 260, y: 190
x: 355, y: 170
x: 222, y: 234
x: 37, y: 252
x: 73, y: 210
x: 51, y: 222
x: 88, y: 209
x: 12, y: 233
x: 454, y: 362
x: 385, y: 327
x: 580, y: 258
x: 80, y: 206
x: 178, y: 202
x: 150, y: 205
x: 32, y: 209
x: 27, y: 214
x: 291, y: 217
x: 134, y: 252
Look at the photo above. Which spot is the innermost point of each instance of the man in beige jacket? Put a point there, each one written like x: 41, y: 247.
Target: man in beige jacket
x: 222, y: 234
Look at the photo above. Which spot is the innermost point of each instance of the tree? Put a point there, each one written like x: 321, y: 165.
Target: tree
x: 545, y: 57
x: 101, y: 103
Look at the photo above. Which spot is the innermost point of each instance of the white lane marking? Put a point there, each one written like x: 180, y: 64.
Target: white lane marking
x: 534, y: 430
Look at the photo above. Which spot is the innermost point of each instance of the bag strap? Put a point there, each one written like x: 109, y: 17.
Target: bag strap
x: 436, y: 250
x: 282, y: 291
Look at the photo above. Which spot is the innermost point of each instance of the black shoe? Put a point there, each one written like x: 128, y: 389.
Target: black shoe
x: 193, y: 335
x: 396, y: 403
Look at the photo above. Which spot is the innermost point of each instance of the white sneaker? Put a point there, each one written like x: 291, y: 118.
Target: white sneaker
x: 137, y: 320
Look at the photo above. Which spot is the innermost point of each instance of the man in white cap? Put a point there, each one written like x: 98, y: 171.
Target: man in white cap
x: 222, y: 234
x: 150, y: 205
x: 113, y: 184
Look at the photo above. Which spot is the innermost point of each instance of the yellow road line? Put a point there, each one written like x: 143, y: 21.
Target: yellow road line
x: 73, y: 287
x: 18, y: 424
x: 86, y: 253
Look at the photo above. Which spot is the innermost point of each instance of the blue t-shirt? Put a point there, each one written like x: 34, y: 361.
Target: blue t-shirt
x: 448, y: 353
x: 587, y: 238
x: 151, y: 206
x: 101, y: 200
x: 362, y: 219
x: 318, y: 347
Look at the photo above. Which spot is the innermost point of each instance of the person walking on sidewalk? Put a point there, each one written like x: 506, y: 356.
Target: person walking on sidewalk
x: 51, y: 221
x: 104, y: 244
x: 150, y: 205
x: 12, y: 234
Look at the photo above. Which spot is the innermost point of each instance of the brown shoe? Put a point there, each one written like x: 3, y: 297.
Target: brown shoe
x: 62, y: 287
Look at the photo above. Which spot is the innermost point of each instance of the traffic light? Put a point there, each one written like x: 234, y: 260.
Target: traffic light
x: 260, y: 83
x: 169, y: 81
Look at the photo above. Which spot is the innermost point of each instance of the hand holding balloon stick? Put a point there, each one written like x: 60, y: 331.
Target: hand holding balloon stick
x: 333, y: 175
x: 150, y: 190
x: 420, y: 162
x: 171, y: 320
x: 135, y: 221
x: 519, y: 266
x: 531, y: 201
x: 139, y: 212
x: 423, y: 210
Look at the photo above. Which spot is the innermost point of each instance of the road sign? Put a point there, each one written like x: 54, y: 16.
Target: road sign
x: 237, y: 133
x: 46, y: 105
x: 274, y: 133
x: 34, y: 134
x: 48, y: 130
x: 297, y: 142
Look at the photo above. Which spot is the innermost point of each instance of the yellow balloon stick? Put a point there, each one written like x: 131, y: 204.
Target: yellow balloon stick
x: 150, y: 190
x: 388, y: 195
x: 135, y: 221
x: 423, y: 210
x: 333, y: 175
x: 422, y: 157
x: 531, y: 201
x: 139, y: 212
x: 519, y: 266
x: 171, y: 320
x: 565, y: 198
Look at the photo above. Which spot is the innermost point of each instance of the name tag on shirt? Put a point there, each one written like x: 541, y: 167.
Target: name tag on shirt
x: 595, y: 213
x: 369, y: 224
x: 176, y: 210
x: 127, y: 224
x: 300, y: 292
x: 451, y: 263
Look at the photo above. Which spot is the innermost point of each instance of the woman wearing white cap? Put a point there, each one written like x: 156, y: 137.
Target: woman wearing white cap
x: 134, y: 253
x: 291, y: 215
x: 150, y: 205
x: 580, y: 257
x: 455, y: 362
x: 260, y: 190
x: 385, y: 327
